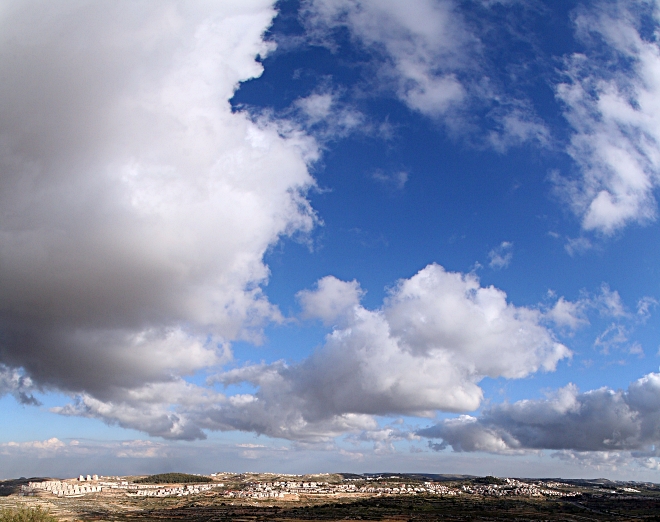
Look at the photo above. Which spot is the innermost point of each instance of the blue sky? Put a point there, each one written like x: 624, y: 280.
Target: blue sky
x: 330, y: 235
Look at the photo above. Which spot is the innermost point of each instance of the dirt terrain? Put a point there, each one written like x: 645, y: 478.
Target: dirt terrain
x: 589, y: 502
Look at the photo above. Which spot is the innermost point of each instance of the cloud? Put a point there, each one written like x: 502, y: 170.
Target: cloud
x: 332, y: 300
x: 425, y: 350
x: 610, y: 100
x: 430, y: 57
x: 516, y: 125
x: 56, y: 448
x: 607, y: 303
x: 578, y: 245
x: 138, y: 449
x: 163, y: 409
x: 612, y: 337
x: 567, y: 314
x: 383, y: 439
x: 39, y: 447
x: 20, y: 386
x: 137, y: 207
x: 501, y: 256
x: 602, y: 420
x: 600, y: 460
x: 644, y: 307
x: 465, y: 434
x: 422, y: 45
x: 570, y: 316
x: 324, y: 115
x: 395, y: 180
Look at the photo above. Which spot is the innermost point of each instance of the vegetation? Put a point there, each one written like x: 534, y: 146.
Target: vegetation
x: 410, y: 509
x: 172, y: 478
x: 489, y: 480
x: 37, y: 514
x: 592, y: 506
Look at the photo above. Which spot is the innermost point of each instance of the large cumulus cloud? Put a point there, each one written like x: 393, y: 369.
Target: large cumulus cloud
x: 436, y: 336
x: 136, y: 211
x: 136, y: 206
x: 601, y: 420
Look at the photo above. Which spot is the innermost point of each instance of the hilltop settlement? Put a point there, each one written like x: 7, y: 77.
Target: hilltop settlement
x: 387, y: 496
x: 291, y: 487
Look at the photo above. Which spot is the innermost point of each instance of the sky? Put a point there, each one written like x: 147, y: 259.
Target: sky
x: 330, y: 236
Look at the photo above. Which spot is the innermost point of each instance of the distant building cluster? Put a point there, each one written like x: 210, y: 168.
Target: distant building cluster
x: 144, y: 490
x: 516, y: 488
x: 427, y: 488
x: 282, y: 489
x: 61, y: 488
x: 290, y: 487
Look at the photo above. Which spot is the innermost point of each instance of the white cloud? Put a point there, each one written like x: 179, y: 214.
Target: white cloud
x: 612, y: 337
x: 326, y: 117
x: 612, y: 104
x: 644, y: 307
x: 316, y: 106
x: 137, y: 206
x: 426, y: 349
x: 422, y: 42
x: 501, y: 256
x: 395, y: 180
x: 139, y: 449
x: 41, y: 448
x: 599, y: 460
x: 428, y: 55
x: 162, y: 409
x: 608, y: 304
x: 568, y: 314
x: 332, y: 300
x: 384, y: 437
x: 517, y: 125
x: 602, y: 420
x: 54, y: 448
x: 578, y: 245
x: 636, y: 349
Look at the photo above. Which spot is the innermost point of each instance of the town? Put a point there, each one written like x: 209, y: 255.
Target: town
x: 325, y: 496
x: 291, y: 489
